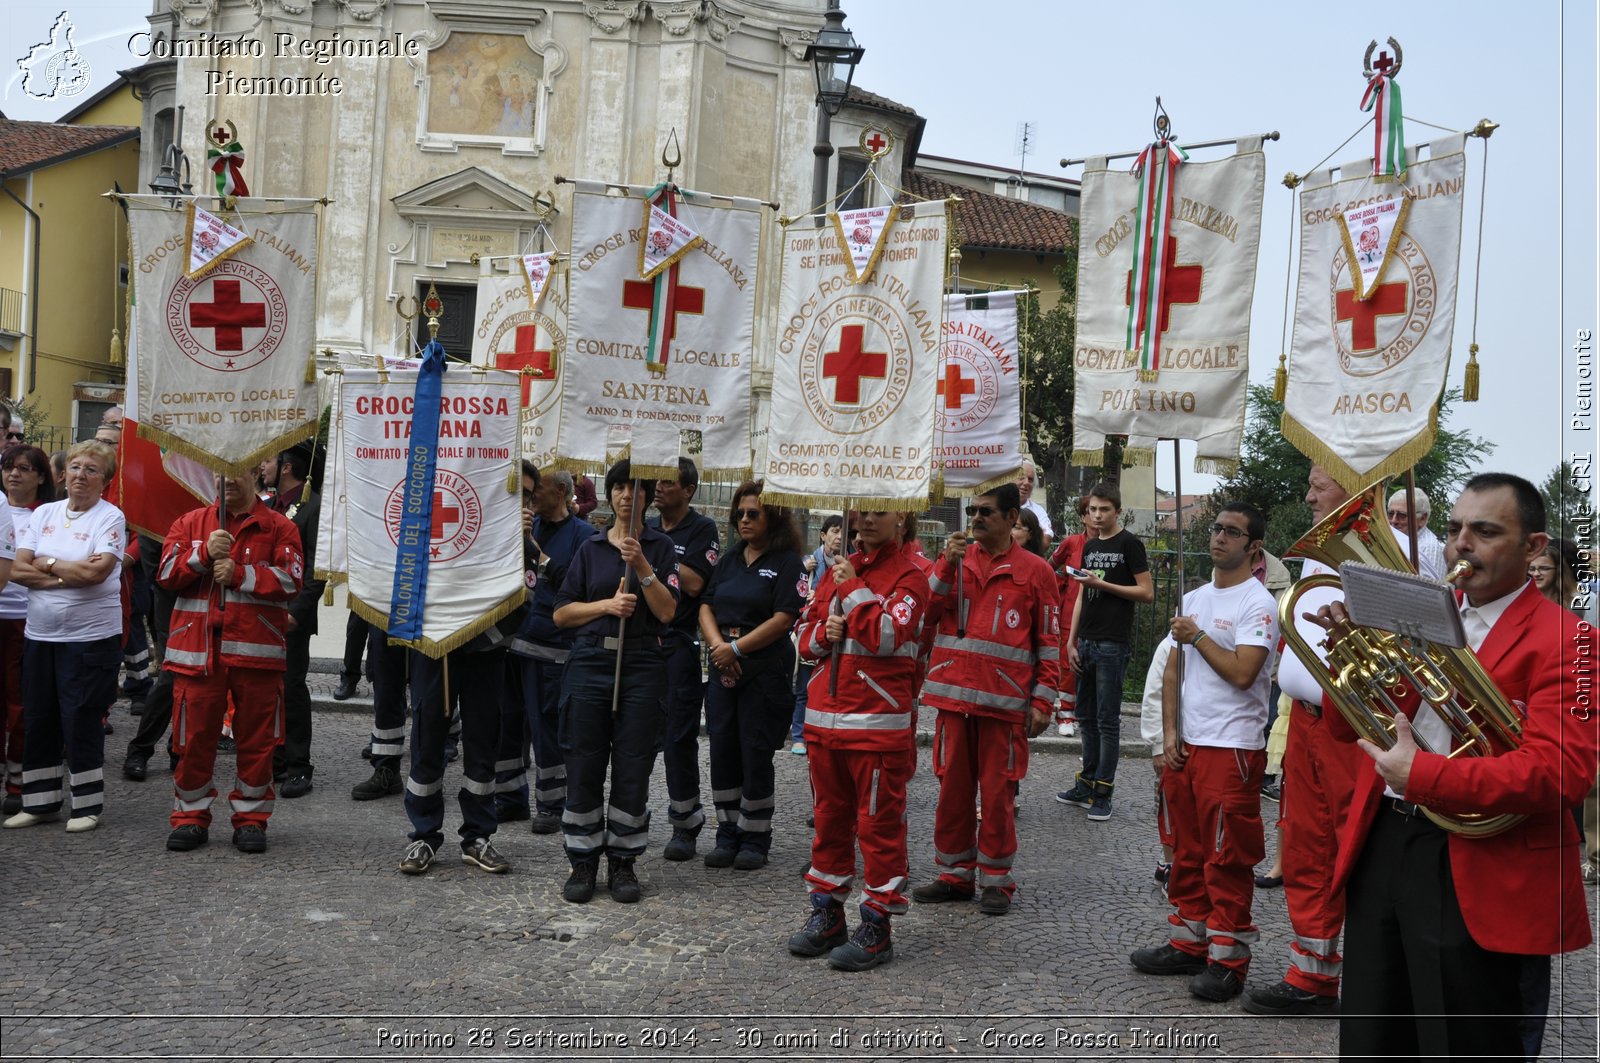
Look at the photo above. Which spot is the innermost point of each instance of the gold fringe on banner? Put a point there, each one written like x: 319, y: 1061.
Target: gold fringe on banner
x: 884, y: 505
x: 1280, y: 380
x: 167, y: 441
x: 1469, y: 383
x: 430, y: 648
x: 1138, y: 456
x: 1088, y: 459
x: 1216, y: 466
x: 332, y: 579
x: 1352, y: 480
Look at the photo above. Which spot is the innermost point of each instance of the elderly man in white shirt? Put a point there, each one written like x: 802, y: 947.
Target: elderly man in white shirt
x: 1430, y: 551
x: 1027, y: 476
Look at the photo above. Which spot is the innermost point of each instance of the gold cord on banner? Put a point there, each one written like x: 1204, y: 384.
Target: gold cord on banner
x: 1280, y: 379
x: 116, y: 334
x: 1469, y: 384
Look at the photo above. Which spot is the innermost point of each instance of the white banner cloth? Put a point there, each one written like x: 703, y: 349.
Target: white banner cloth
x: 979, y: 392
x: 223, y: 358
x: 475, y: 573
x: 1199, y: 389
x: 853, y: 382
x: 1365, y: 375
x: 705, y: 387
x: 530, y: 343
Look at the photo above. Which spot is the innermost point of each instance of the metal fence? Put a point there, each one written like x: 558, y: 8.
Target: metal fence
x: 1152, y: 622
x: 49, y: 437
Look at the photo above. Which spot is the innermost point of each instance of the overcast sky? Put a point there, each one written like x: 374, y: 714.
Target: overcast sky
x: 1087, y: 74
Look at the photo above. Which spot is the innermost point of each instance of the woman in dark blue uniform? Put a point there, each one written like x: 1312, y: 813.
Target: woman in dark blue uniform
x: 615, y: 581
x: 746, y: 614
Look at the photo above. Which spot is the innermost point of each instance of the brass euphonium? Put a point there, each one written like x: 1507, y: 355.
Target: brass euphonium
x: 1369, y: 671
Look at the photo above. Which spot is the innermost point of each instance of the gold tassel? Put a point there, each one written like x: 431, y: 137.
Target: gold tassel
x: 1147, y: 376
x: 116, y: 347
x: 311, y: 367
x: 1469, y: 386
x: 512, y: 484
x: 327, y: 594
x: 1280, y: 381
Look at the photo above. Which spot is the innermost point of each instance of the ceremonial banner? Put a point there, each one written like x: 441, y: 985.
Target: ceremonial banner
x: 979, y: 393
x: 225, y: 357
x: 473, y: 553
x: 1365, y: 374
x: 853, y: 384
x: 704, y: 385
x: 529, y: 342
x: 1203, y: 312
x: 333, y: 559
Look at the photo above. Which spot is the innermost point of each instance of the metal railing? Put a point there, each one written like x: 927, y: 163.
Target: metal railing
x: 11, y: 311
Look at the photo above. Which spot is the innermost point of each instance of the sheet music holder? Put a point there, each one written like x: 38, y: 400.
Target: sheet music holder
x: 1402, y: 602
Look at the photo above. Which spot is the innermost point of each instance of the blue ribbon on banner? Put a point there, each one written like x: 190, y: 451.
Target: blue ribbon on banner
x: 410, y: 594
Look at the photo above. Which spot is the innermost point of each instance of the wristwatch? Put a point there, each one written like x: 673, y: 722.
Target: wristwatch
x: 50, y: 565
x: 645, y: 583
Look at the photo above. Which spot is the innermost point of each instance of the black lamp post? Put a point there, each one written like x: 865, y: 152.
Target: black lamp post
x: 173, y: 164
x: 834, y: 56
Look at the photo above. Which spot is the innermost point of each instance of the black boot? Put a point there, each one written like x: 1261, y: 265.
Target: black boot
x: 621, y: 881
x: 824, y: 931
x: 868, y: 947
x: 580, y: 884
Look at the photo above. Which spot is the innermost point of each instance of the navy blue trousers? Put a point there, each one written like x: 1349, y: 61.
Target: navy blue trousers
x: 478, y: 680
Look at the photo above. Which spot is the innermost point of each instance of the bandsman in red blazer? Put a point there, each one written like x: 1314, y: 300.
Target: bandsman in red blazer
x: 1443, y: 932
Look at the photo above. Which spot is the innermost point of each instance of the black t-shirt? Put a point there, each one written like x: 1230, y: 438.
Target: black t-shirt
x: 1106, y: 617
x: 596, y: 570
x: 694, y: 538
x: 746, y: 596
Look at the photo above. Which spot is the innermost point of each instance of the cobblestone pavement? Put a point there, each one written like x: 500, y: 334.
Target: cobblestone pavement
x: 111, y: 946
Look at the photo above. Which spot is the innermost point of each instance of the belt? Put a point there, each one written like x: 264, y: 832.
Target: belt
x: 611, y: 642
x: 731, y: 633
x: 1405, y: 808
x: 1313, y: 711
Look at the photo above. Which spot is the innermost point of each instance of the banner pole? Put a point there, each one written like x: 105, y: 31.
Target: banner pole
x: 1177, y: 487
x: 833, y: 658
x: 622, y: 621
x: 1411, y: 514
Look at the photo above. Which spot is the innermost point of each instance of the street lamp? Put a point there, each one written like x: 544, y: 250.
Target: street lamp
x: 834, y: 56
x: 173, y: 163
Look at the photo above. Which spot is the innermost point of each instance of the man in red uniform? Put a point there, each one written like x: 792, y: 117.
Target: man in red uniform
x: 993, y: 677
x: 1444, y: 932
x: 1069, y: 555
x: 233, y: 584
x: 861, y: 628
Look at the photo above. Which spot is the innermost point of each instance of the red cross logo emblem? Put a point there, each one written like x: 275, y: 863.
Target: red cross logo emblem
x: 227, y: 316
x: 527, y: 355
x: 954, y: 386
x: 1181, y: 284
x: 457, y: 515
x: 852, y: 363
x: 876, y: 142
x: 232, y: 318
x: 681, y: 299
x: 1386, y: 301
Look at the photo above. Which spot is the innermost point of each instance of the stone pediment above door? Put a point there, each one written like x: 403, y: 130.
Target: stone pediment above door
x: 455, y: 220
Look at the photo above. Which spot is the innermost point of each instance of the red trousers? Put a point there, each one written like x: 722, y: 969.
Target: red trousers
x: 1215, y: 804
x: 1318, y: 780
x: 973, y: 756
x: 11, y: 703
x: 198, y: 705
x: 859, y: 796
x: 1066, y: 711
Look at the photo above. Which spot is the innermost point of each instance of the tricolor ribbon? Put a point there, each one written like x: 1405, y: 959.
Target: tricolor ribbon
x: 410, y: 594
x: 1382, y: 98
x: 664, y: 297
x: 1157, y: 166
x: 228, y: 166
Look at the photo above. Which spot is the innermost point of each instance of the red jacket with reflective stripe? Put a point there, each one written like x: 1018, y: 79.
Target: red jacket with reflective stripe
x: 1010, y: 655
x: 876, y: 661
x: 251, y: 614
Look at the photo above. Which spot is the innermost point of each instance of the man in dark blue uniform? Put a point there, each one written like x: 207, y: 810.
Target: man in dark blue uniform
x: 619, y: 595
x: 694, y: 538
x: 539, y: 651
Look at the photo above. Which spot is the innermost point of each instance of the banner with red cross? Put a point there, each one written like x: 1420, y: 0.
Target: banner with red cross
x: 1200, y: 310
x: 855, y: 376
x: 475, y: 574
x: 225, y: 357
x: 530, y: 342
x: 696, y: 401
x: 1368, y: 362
x: 978, y: 402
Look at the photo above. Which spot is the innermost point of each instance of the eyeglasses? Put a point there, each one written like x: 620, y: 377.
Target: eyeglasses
x: 1540, y: 570
x: 748, y: 514
x: 22, y: 466
x: 1230, y: 532
x: 86, y: 470
x: 981, y: 511
x: 12, y: 433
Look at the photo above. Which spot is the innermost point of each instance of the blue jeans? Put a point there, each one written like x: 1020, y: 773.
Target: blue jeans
x: 802, y: 680
x: 1099, y: 708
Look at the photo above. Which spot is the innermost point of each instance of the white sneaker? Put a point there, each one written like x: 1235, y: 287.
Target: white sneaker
x: 29, y: 819
x: 79, y: 824
x: 1065, y: 730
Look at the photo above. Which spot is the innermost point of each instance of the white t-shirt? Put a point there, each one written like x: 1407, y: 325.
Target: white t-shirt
x: 76, y: 614
x: 1044, y: 520
x: 1215, y: 712
x: 14, y: 598
x: 1152, y: 725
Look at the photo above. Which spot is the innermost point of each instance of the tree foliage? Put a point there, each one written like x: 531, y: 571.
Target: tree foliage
x: 1046, y: 340
x: 1569, y: 509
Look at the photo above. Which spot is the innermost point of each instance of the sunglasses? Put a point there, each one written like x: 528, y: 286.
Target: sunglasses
x: 1232, y: 533
x: 22, y: 466
x: 13, y: 434
x: 747, y: 514
x: 982, y: 511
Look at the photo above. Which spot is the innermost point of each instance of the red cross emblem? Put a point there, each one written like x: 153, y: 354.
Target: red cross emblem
x: 227, y: 315
x: 1386, y: 301
x: 851, y: 363
x: 954, y: 386
x: 1384, y: 64
x: 444, y: 516
x: 876, y: 142
x: 1181, y: 284
x: 526, y: 355
x: 682, y: 299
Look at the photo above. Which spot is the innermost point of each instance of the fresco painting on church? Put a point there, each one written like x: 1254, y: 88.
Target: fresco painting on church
x: 483, y: 84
